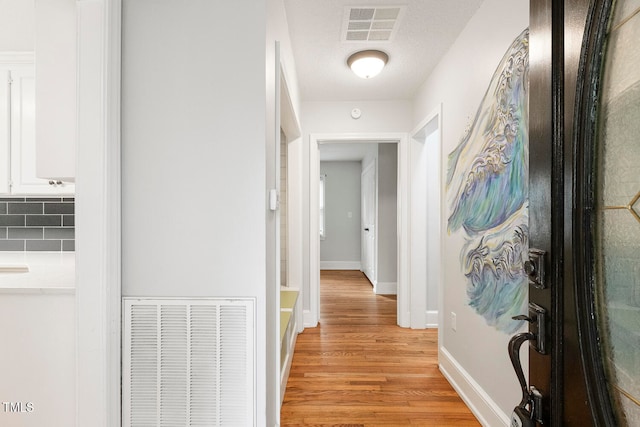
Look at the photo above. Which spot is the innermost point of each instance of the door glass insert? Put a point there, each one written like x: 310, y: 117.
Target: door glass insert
x: 618, y: 213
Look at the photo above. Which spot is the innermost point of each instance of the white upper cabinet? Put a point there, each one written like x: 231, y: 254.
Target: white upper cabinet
x: 56, y: 110
x: 38, y: 107
x: 22, y: 114
x: 18, y: 131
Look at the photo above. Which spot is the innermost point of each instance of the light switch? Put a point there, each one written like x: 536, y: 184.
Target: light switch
x: 273, y: 199
x: 349, y: 214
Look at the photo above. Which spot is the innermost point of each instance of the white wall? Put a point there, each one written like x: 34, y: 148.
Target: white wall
x: 17, y: 26
x: 340, y: 249
x: 189, y: 93
x: 387, y: 218
x: 187, y: 152
x: 476, y: 355
x: 335, y: 117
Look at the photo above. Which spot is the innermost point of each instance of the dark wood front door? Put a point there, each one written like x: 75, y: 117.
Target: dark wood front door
x: 585, y: 211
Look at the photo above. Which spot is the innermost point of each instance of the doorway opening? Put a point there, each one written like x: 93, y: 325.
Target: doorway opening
x: 397, y: 144
x: 419, y: 225
x: 358, y: 211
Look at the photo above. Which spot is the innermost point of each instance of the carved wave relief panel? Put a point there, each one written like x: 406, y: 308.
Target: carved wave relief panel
x: 487, y: 192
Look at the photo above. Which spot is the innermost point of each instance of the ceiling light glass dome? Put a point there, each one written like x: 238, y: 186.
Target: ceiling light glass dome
x: 367, y: 63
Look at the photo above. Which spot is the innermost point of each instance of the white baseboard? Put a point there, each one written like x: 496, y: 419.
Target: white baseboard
x: 432, y: 318
x: 386, y: 288
x: 307, y: 319
x: 340, y: 265
x: 478, y: 401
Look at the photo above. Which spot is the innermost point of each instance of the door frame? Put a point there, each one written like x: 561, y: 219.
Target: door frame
x: 312, y: 316
x: 426, y: 240
x: 98, y: 222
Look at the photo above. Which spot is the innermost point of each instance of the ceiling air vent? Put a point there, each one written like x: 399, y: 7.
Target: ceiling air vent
x: 362, y: 24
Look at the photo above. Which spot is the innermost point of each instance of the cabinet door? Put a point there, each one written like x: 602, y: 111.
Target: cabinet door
x: 5, y: 159
x: 23, y: 141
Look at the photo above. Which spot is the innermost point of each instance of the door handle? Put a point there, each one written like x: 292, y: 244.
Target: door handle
x: 514, y: 354
x: 366, y: 229
x: 528, y: 413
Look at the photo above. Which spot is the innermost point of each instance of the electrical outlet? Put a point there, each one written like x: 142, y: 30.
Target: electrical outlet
x: 453, y: 321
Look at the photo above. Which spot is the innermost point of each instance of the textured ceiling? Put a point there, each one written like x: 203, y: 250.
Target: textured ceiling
x: 426, y: 30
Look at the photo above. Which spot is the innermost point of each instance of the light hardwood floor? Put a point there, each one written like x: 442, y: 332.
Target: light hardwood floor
x: 358, y: 368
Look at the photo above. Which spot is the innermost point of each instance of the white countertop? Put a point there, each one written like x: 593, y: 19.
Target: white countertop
x: 37, y: 272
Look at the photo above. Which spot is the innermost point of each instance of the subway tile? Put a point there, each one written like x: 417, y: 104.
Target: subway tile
x: 24, y: 225
x: 12, y: 220
x: 68, y: 220
x: 25, y: 233
x: 59, y: 233
x: 11, y: 245
x: 59, y: 208
x: 43, y: 245
x: 44, y: 220
x: 24, y: 208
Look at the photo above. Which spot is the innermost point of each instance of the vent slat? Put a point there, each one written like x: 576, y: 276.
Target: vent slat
x: 188, y: 362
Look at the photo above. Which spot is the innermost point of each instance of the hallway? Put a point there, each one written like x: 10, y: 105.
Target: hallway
x: 358, y: 368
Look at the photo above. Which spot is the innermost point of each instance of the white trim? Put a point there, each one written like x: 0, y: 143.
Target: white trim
x: 432, y: 318
x: 479, y: 402
x: 308, y: 319
x: 404, y: 236
x: 420, y: 298
x: 98, y: 229
x: 17, y: 58
x: 272, y: 224
x: 285, y: 121
x: 386, y: 288
x: 312, y: 316
x: 340, y: 265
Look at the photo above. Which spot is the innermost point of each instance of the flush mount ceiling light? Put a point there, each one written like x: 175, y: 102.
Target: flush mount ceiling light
x: 367, y: 63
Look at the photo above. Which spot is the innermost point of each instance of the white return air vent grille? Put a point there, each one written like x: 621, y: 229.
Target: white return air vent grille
x: 371, y: 24
x: 188, y: 362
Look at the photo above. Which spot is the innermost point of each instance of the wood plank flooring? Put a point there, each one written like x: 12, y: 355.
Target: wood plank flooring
x: 358, y: 368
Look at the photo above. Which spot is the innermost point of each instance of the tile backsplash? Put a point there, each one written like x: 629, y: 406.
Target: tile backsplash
x: 37, y: 224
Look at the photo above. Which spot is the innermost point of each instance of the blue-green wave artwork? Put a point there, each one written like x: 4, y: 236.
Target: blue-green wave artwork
x: 487, y: 190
